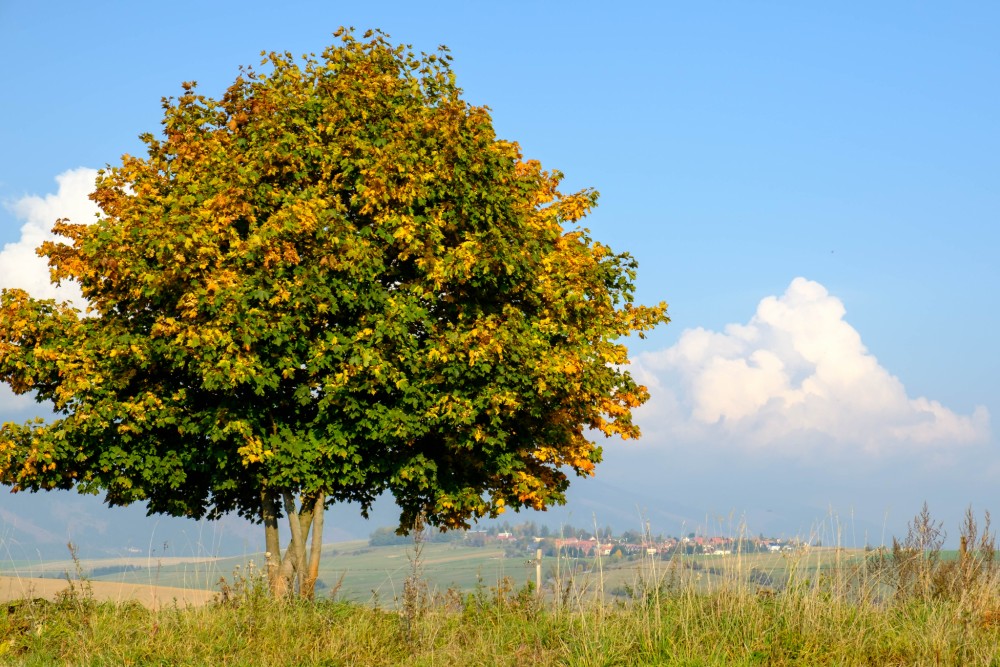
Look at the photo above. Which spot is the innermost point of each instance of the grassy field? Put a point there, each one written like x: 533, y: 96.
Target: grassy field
x: 825, y: 607
x: 369, y: 574
x: 448, y: 604
x: 376, y: 574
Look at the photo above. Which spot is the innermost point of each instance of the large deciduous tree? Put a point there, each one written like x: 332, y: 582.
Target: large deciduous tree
x: 331, y: 283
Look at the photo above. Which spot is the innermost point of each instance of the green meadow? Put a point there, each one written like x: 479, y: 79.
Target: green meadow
x: 451, y: 604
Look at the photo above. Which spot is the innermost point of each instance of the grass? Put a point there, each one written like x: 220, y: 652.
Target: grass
x: 907, y: 605
x: 500, y: 626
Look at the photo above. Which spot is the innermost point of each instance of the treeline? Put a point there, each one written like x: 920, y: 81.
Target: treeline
x: 387, y: 536
x: 528, y: 534
x: 115, y: 569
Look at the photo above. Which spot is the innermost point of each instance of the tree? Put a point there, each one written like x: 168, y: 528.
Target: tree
x: 633, y: 537
x: 387, y: 536
x: 333, y: 282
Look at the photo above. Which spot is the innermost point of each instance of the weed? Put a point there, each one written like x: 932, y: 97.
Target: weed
x: 78, y: 592
x: 416, y: 595
x: 249, y: 587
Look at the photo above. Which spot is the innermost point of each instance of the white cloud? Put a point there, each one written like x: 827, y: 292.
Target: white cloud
x: 20, y: 267
x: 797, y: 379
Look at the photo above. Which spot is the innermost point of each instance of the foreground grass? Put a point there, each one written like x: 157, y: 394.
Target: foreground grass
x: 904, y: 606
x: 501, y: 627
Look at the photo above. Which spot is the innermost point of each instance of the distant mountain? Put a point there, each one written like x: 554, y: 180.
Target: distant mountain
x: 39, y: 525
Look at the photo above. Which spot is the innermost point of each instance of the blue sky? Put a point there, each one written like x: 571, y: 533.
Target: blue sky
x: 737, y: 147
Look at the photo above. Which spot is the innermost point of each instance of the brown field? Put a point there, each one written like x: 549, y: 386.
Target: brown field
x: 152, y: 597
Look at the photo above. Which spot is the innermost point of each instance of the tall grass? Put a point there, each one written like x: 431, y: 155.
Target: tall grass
x: 905, y: 605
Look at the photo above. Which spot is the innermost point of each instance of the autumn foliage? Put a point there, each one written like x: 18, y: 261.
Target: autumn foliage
x: 331, y: 283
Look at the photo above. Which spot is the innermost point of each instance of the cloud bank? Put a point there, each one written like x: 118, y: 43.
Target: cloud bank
x: 795, y: 379
x: 20, y: 267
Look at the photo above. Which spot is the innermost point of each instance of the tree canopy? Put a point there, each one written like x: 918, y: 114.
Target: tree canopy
x: 333, y: 282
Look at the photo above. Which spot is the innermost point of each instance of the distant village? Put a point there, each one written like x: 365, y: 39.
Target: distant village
x: 569, y: 541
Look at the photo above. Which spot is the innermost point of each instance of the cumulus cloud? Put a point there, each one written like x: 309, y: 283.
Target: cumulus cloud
x: 20, y: 267
x: 796, y: 377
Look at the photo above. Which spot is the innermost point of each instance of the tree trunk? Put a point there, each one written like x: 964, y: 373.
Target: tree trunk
x: 309, y: 587
x: 297, y: 552
x: 272, y: 544
x: 290, y: 563
x: 293, y: 570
